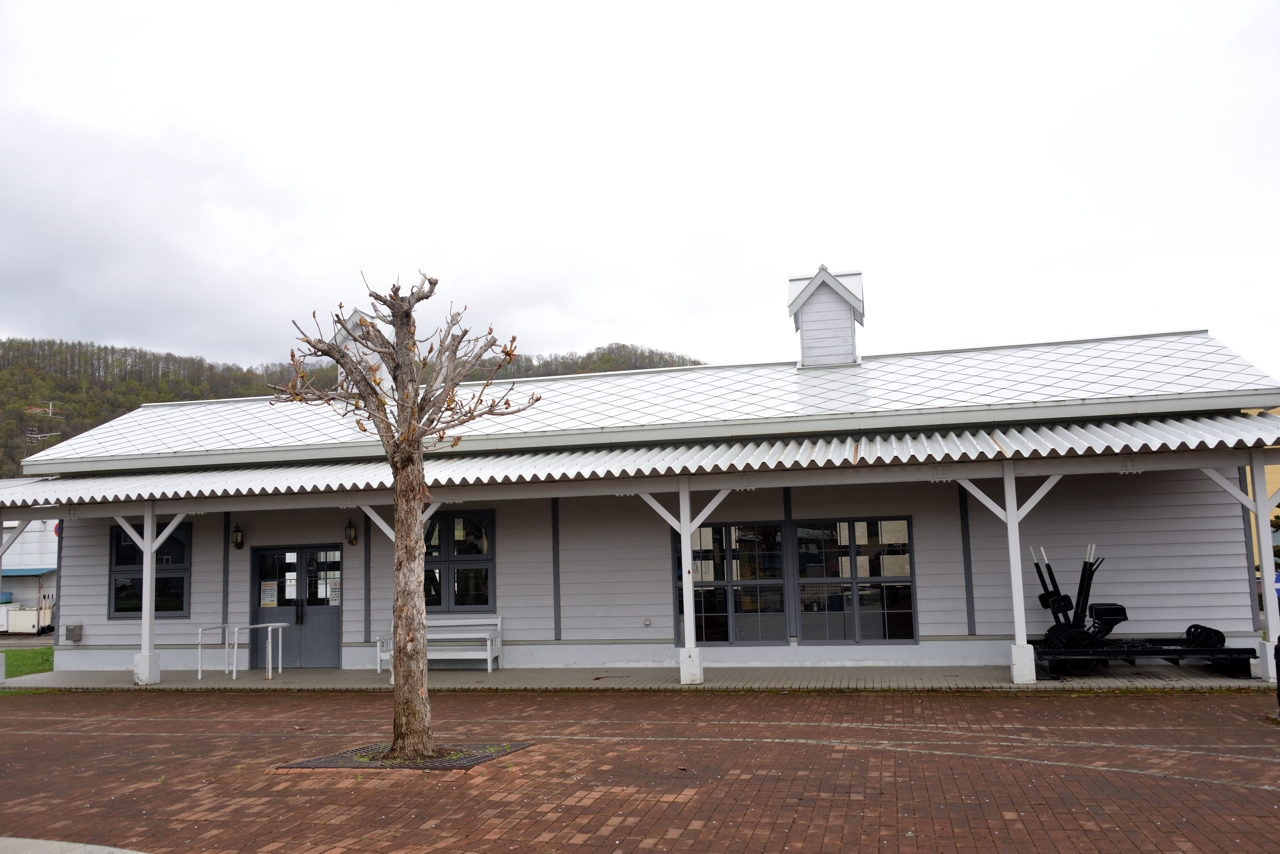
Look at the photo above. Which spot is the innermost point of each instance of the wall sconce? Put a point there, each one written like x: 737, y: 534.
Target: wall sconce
x: 237, y: 536
x: 351, y: 533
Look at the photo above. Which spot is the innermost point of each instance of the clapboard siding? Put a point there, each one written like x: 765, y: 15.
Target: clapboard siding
x: 826, y: 329
x: 615, y: 570
x: 85, y: 584
x: 1173, y: 543
x: 522, y: 561
x: 382, y: 558
x: 935, y: 526
x: 523, y: 564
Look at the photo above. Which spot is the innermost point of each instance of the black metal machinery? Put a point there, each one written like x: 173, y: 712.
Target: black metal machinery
x: 1071, y: 648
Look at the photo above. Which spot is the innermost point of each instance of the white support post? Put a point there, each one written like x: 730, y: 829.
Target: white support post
x: 1261, y: 505
x: 1023, y: 656
x: 690, y: 655
x: 1264, y: 503
x: 146, y: 665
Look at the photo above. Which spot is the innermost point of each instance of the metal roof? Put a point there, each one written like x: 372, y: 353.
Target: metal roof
x: 28, y: 571
x: 1054, y: 440
x: 1178, y: 373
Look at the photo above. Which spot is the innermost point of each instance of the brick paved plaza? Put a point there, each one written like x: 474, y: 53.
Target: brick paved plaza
x: 639, y: 771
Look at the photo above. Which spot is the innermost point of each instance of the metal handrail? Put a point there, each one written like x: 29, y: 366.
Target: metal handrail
x: 279, y: 627
x: 226, y: 649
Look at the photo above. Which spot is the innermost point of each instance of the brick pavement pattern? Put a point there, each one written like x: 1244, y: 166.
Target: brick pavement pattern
x: 639, y: 771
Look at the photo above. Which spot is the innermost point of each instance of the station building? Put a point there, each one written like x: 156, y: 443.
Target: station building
x: 835, y: 510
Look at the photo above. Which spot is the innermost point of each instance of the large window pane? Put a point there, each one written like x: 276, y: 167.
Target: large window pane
x: 471, y: 586
x: 710, y: 614
x: 470, y: 535
x: 885, y: 611
x: 759, y: 613
x: 431, y: 536
x: 127, y: 552
x: 127, y: 594
x: 757, y: 552
x: 826, y: 612
x: 171, y: 594
x: 708, y: 555
x: 431, y: 579
x: 173, y: 551
x: 883, y: 550
x: 824, y: 549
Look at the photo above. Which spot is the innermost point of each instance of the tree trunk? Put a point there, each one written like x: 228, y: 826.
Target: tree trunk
x: 413, y: 738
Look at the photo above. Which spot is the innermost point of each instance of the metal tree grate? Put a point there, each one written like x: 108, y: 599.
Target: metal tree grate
x: 455, y: 757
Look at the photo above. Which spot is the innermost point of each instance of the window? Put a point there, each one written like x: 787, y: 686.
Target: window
x: 842, y: 581
x: 458, y: 564
x: 869, y: 560
x: 173, y: 575
x: 739, y: 585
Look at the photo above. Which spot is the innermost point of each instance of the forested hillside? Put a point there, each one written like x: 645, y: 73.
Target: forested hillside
x: 89, y: 384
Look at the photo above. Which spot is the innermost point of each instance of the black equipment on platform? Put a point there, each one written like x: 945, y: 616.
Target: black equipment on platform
x: 1071, y: 648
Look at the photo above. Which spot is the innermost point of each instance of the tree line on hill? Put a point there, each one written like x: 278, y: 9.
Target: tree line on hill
x: 81, y: 385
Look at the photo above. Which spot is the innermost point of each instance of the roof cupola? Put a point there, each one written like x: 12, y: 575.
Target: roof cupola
x: 825, y: 308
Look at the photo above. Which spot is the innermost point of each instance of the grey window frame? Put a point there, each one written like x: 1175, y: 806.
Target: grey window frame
x: 728, y: 585
x: 447, y: 565
x: 182, y: 571
x: 854, y: 581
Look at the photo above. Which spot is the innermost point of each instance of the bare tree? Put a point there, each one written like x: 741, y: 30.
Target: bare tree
x: 407, y: 388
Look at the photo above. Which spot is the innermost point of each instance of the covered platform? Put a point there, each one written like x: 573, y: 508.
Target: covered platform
x: 990, y: 678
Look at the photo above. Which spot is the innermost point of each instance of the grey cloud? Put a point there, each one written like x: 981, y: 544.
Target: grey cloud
x: 115, y: 240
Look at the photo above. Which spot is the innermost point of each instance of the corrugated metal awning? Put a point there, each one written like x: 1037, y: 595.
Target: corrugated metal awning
x: 1048, y: 441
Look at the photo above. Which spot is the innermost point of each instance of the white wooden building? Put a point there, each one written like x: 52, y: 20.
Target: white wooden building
x: 839, y: 511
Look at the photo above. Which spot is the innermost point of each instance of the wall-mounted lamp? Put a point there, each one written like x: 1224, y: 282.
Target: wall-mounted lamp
x: 237, y: 536
x: 351, y: 533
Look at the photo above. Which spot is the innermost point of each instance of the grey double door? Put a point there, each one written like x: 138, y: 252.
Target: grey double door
x: 300, y: 586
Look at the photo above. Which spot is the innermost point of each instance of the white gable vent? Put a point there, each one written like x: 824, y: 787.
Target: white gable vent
x: 825, y: 308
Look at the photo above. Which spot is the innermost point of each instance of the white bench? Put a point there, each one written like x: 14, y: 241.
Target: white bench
x: 450, y: 638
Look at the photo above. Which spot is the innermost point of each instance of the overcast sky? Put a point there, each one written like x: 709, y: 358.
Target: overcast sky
x: 191, y: 177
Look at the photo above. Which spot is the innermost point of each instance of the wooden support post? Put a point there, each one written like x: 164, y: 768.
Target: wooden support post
x: 690, y: 656
x: 1264, y: 503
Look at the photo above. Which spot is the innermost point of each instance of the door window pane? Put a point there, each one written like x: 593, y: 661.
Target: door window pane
x: 824, y: 549
x: 471, y: 586
x: 759, y: 613
x: 826, y: 612
x: 324, y: 578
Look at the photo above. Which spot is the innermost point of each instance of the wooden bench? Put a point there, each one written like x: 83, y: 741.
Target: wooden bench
x: 452, y: 638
